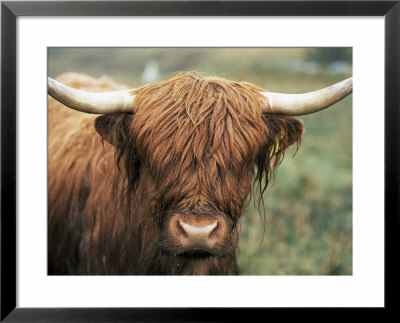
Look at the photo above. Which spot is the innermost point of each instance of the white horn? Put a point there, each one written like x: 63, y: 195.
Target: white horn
x: 306, y: 103
x: 90, y: 102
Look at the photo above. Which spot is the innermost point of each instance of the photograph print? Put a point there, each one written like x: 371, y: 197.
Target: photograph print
x: 199, y: 161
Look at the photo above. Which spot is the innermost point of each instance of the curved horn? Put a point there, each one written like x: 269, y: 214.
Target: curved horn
x: 90, y: 102
x: 306, y: 103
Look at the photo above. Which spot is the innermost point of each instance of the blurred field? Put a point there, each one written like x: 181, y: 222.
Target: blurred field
x: 308, y: 229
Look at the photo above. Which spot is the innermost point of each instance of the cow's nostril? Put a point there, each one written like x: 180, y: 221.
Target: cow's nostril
x: 214, y: 233
x: 180, y: 230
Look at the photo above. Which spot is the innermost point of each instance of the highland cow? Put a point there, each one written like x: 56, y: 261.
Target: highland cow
x: 156, y: 184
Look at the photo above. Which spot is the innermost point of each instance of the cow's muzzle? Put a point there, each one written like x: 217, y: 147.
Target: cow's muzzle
x: 197, y: 235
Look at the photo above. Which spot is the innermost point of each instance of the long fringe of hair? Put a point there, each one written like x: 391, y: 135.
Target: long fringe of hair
x: 205, y: 117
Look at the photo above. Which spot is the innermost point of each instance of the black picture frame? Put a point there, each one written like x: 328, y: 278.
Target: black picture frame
x: 11, y: 10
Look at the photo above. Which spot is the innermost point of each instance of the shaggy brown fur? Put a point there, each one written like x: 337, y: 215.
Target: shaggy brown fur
x: 195, y: 144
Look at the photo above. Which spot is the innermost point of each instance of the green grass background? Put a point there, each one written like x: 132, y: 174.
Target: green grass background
x: 308, y: 228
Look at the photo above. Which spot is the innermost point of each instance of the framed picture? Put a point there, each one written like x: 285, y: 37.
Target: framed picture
x: 331, y: 215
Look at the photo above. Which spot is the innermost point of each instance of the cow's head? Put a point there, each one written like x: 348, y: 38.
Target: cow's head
x: 202, y: 142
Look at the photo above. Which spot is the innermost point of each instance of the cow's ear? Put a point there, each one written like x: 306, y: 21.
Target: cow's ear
x: 283, y: 132
x: 114, y: 128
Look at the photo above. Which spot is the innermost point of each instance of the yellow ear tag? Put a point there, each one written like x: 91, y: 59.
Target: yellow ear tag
x: 275, y: 149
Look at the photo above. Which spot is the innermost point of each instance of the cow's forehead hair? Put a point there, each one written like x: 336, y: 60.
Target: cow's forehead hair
x: 199, y: 115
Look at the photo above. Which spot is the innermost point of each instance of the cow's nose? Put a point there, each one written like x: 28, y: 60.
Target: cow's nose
x: 200, y: 236
x: 197, y: 234
x: 194, y: 234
